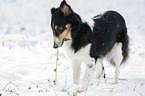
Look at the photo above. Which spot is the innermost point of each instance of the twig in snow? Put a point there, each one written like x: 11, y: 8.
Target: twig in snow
x: 13, y: 90
x: 123, y: 79
x: 55, y: 70
x: 10, y: 83
x: 39, y: 87
x: 141, y: 85
x: 137, y: 90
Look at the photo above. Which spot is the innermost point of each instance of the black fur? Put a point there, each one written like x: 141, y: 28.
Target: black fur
x: 108, y: 29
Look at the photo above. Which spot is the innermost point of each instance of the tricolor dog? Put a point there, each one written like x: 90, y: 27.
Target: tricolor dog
x: 104, y: 36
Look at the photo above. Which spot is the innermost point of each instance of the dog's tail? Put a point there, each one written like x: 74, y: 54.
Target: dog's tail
x: 124, y: 38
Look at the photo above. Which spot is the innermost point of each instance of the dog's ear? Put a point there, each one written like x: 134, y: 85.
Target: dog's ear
x: 53, y: 10
x: 65, y: 8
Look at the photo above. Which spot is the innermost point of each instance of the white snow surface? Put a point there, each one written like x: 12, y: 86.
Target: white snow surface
x: 27, y: 59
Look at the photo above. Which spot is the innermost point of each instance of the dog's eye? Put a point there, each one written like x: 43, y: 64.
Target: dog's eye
x: 60, y: 29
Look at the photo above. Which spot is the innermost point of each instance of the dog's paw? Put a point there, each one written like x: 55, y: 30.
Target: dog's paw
x: 72, y: 90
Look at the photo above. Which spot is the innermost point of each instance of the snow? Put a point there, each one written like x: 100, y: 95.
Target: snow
x: 27, y: 59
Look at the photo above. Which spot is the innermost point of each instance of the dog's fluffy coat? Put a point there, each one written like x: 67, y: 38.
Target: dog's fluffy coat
x: 107, y: 38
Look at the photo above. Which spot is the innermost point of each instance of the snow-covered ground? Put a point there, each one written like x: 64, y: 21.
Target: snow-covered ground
x: 27, y: 59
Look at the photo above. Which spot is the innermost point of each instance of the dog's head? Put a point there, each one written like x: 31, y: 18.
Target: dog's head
x: 60, y: 23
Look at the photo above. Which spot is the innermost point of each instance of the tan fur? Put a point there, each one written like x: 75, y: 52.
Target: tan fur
x: 56, y: 27
x: 64, y: 33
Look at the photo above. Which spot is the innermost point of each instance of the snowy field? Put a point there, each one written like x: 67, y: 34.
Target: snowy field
x: 27, y: 59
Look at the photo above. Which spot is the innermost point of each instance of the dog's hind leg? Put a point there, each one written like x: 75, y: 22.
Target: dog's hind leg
x: 117, y: 58
x: 76, y: 71
x: 90, y: 69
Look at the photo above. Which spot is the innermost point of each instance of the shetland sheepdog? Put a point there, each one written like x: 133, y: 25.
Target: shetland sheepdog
x: 104, y: 36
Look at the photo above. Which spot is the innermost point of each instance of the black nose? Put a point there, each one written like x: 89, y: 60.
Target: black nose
x: 55, y: 46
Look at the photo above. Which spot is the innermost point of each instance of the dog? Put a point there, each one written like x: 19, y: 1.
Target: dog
x: 104, y: 36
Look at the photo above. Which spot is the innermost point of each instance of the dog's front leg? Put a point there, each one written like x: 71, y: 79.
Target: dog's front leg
x: 76, y: 70
x: 90, y: 68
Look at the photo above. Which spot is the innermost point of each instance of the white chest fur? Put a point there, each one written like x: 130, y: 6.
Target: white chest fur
x: 81, y: 55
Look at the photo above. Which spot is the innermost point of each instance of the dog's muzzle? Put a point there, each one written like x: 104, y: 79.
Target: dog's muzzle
x: 56, y: 45
x: 59, y: 45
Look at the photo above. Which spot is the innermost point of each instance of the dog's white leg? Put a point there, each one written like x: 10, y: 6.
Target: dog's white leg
x: 76, y: 71
x: 117, y: 58
x: 117, y: 74
x: 99, y: 69
x: 90, y: 68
